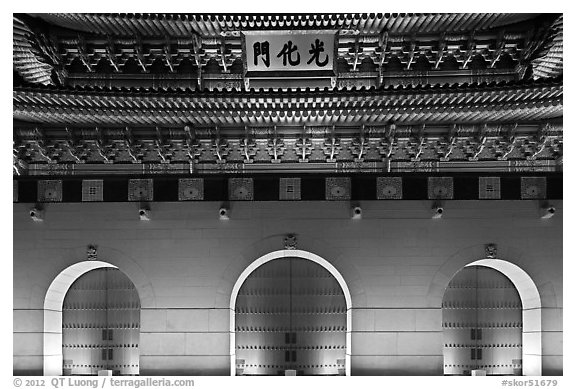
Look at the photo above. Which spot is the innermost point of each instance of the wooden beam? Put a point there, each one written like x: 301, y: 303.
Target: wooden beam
x: 82, y: 53
x: 223, y: 53
x: 40, y: 137
x: 168, y: 54
x: 471, y: 50
x: 411, y: 53
x: 197, y: 48
x: 129, y: 140
x: 110, y: 51
x: 441, y: 47
x: 139, y: 53
x: 356, y: 53
x: 499, y: 49
x: 71, y: 143
x: 383, y: 42
x: 100, y: 144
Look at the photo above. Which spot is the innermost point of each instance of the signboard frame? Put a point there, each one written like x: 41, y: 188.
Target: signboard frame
x: 294, y: 72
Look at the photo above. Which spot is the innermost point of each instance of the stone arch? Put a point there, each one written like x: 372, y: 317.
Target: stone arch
x: 295, y: 253
x: 531, y: 312
x: 246, y: 255
x: 527, y: 289
x: 53, y: 312
x: 54, y: 298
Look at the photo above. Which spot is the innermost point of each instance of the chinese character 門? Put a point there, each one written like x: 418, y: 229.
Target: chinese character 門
x: 262, y: 49
x: 317, y: 48
x: 287, y: 52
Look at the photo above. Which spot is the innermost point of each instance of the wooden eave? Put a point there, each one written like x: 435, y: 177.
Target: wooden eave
x: 551, y: 63
x: 24, y: 60
x: 512, y: 101
x: 183, y: 25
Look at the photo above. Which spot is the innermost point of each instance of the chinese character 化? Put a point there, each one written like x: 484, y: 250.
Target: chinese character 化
x: 262, y: 49
x: 286, y: 54
x: 317, y: 48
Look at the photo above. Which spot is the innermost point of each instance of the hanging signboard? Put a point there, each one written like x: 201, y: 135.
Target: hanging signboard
x: 285, y: 51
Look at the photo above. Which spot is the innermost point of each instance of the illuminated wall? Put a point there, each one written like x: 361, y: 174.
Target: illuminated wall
x: 396, y: 260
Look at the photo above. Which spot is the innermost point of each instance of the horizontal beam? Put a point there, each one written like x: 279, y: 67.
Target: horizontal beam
x: 304, y: 187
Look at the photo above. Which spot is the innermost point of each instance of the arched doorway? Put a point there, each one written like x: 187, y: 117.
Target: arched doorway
x: 491, y: 318
x: 290, y: 310
x: 91, y: 321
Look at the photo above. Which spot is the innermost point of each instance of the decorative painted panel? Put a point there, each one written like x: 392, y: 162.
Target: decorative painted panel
x: 190, y: 189
x: 49, y: 190
x: 482, y: 323
x: 489, y: 188
x: 140, y: 189
x: 101, y: 324
x: 533, y: 188
x: 338, y: 188
x: 389, y: 188
x: 440, y: 188
x: 290, y: 189
x: 290, y: 315
x: 241, y: 189
x: 92, y: 190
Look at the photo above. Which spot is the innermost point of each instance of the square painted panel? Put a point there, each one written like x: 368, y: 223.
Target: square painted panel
x: 389, y: 188
x: 141, y: 189
x: 290, y: 189
x: 92, y: 190
x: 338, y: 188
x: 240, y: 189
x: 533, y: 188
x: 190, y: 189
x: 15, y: 191
x: 489, y: 188
x: 440, y: 188
x: 50, y: 190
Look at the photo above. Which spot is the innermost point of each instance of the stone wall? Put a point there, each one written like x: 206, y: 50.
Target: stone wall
x: 396, y: 261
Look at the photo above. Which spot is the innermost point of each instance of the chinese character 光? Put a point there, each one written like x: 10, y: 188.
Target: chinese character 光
x: 286, y: 54
x: 317, y: 48
x: 262, y: 49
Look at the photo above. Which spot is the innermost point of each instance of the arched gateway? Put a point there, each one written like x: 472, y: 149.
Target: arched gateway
x: 491, y: 318
x: 290, y: 310
x: 91, y: 321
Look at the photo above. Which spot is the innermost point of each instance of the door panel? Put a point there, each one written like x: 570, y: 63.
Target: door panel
x: 482, y: 323
x: 101, y: 324
x: 290, y: 314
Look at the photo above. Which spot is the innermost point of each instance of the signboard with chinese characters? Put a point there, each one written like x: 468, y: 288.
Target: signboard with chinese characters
x: 281, y: 51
